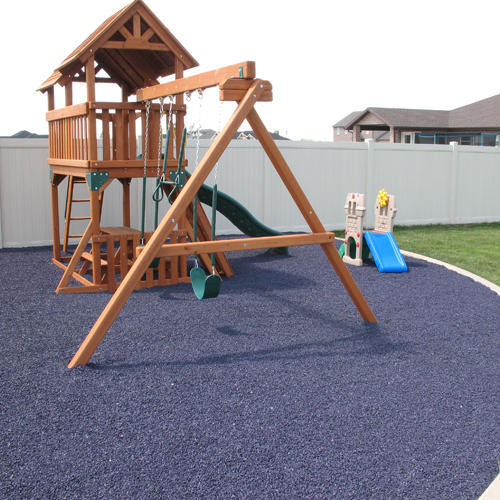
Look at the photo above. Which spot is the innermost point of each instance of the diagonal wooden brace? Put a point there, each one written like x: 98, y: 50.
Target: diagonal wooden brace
x: 165, y: 227
x: 309, y: 214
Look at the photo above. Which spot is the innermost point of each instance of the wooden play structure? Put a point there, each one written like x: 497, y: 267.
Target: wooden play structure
x: 134, y: 49
x: 131, y: 49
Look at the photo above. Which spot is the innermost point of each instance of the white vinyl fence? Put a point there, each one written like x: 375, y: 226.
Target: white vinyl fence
x: 433, y: 184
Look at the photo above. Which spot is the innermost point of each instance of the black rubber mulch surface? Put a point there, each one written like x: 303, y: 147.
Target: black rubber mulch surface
x: 277, y: 389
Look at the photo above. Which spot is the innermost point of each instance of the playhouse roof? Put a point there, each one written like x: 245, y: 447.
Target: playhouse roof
x: 132, y: 46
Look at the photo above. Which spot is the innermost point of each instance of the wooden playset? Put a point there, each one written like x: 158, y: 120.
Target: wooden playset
x: 133, y: 48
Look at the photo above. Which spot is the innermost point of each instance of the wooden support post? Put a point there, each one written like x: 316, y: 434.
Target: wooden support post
x: 68, y: 92
x: 126, y: 201
x: 307, y: 211
x: 165, y: 227
x: 54, y: 195
x: 95, y: 223
x: 50, y: 98
x: 92, y: 119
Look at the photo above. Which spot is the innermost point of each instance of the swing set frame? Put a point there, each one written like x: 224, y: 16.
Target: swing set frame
x: 133, y: 49
x: 237, y: 83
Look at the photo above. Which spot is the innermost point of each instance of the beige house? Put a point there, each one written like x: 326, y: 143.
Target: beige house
x: 476, y: 124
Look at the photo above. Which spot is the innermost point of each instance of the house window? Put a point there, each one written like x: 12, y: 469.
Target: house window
x: 345, y: 132
x: 407, y: 138
x: 338, y: 130
x: 464, y: 139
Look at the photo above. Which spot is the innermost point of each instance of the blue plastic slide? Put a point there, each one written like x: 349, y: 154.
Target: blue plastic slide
x: 385, y: 252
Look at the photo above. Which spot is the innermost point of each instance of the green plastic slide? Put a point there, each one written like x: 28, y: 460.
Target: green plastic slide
x: 238, y: 215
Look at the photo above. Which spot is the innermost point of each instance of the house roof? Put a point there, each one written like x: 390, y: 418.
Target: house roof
x: 481, y: 114
x: 132, y: 46
x: 484, y: 113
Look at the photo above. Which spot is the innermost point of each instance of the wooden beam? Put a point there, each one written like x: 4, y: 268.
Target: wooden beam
x: 67, y: 112
x: 241, y: 244
x: 75, y: 259
x: 125, y: 32
x: 147, y: 34
x: 168, y: 223
x: 201, y: 81
x: 135, y: 44
x: 307, y: 211
x: 136, y: 25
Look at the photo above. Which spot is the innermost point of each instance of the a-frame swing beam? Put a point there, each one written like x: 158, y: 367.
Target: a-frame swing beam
x: 165, y: 227
x: 212, y: 78
x: 178, y: 208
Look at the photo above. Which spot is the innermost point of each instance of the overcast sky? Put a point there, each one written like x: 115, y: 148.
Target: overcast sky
x: 324, y: 58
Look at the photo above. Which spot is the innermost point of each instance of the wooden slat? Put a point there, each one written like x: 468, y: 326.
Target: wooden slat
x: 106, y: 144
x: 110, y: 257
x: 134, y: 44
x: 75, y: 258
x: 201, y: 81
x: 124, y: 119
x: 123, y: 256
x: 68, y: 111
x: 136, y: 106
x: 89, y: 258
x: 162, y: 271
x: 91, y: 115
x: 132, y: 136
x: 241, y: 244
x: 118, y: 135
x: 174, y: 261
x: 151, y: 163
x: 83, y: 289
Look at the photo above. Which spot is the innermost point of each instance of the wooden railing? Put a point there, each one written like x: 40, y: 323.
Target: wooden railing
x: 69, y: 131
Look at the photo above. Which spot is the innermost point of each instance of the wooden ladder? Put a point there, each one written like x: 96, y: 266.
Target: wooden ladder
x: 72, y: 180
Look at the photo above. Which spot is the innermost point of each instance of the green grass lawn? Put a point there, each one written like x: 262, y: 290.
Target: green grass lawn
x: 474, y: 247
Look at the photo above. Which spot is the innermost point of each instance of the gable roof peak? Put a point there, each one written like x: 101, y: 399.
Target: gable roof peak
x: 133, y: 37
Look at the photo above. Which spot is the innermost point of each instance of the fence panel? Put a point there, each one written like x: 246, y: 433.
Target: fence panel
x: 433, y: 184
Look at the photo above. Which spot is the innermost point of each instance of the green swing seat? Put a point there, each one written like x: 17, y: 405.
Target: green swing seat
x: 205, y: 287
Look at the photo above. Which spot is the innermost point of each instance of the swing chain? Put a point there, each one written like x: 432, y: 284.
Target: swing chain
x: 160, y: 137
x: 146, y: 139
x: 198, y: 126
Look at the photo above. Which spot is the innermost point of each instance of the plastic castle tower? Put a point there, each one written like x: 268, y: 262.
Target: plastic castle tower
x: 355, y: 211
x: 385, y: 211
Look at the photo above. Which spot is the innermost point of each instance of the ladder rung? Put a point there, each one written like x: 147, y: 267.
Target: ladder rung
x: 79, y: 218
x: 79, y: 180
x: 75, y: 235
x: 80, y: 200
